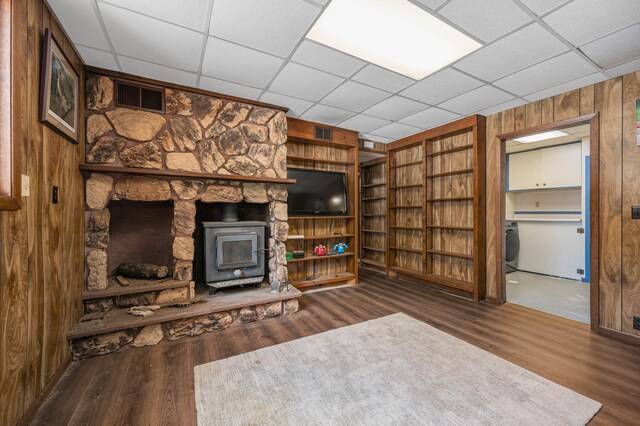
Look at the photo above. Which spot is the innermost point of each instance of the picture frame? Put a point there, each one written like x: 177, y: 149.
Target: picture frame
x: 59, y: 90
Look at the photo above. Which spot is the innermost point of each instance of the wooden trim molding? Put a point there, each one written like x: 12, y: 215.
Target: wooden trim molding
x: 9, y: 148
x: 29, y: 415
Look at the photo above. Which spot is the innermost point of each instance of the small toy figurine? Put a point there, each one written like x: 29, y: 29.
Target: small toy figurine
x: 340, y: 248
x: 320, y: 250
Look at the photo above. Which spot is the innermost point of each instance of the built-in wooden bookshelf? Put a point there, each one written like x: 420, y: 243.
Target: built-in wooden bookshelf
x: 373, y: 214
x: 436, y: 207
x: 340, y: 154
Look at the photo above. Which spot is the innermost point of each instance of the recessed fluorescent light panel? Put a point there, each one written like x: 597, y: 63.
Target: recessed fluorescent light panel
x: 394, y: 34
x: 542, y: 136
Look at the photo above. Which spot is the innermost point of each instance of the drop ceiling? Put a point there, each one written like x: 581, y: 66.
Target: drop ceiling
x: 257, y: 49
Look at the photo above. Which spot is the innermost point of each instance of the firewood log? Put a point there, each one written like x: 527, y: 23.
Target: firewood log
x: 142, y: 270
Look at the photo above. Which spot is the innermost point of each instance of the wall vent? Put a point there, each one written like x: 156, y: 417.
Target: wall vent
x: 133, y: 95
x: 324, y: 133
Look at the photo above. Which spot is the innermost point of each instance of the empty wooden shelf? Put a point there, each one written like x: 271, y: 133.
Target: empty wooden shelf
x: 373, y: 223
x: 438, y: 205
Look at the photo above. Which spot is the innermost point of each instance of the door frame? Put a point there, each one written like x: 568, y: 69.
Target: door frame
x: 593, y: 120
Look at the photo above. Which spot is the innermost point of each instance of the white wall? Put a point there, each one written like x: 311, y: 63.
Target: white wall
x: 551, y: 248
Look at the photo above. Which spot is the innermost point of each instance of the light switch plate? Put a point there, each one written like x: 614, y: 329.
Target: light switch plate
x: 26, y: 186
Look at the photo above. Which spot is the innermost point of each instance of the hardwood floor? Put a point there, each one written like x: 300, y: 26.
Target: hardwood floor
x: 154, y: 385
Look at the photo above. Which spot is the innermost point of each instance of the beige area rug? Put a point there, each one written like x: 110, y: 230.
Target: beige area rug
x: 391, y: 370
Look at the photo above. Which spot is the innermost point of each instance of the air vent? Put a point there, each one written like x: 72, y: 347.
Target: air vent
x: 324, y: 133
x: 138, y: 96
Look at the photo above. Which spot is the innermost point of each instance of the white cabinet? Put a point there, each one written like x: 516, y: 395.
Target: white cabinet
x: 525, y: 169
x: 553, y: 167
x: 562, y: 166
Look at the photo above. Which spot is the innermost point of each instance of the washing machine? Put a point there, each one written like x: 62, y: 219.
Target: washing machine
x: 512, y: 242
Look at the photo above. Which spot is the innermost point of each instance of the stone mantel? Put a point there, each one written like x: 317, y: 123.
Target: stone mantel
x: 88, y: 168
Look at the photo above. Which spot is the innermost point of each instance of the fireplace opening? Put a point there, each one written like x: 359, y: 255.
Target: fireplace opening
x: 247, y: 214
x: 140, y: 232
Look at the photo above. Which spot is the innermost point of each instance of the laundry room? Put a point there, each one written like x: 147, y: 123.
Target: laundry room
x: 547, y: 222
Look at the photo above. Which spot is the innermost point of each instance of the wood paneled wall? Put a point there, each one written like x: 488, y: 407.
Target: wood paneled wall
x: 41, y: 245
x: 619, y: 181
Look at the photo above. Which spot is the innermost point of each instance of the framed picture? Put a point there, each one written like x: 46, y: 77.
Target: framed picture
x: 59, y: 86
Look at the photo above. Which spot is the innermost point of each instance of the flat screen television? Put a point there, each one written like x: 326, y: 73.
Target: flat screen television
x: 317, y: 192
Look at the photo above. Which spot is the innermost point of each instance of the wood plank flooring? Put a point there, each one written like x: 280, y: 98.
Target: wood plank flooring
x: 154, y: 385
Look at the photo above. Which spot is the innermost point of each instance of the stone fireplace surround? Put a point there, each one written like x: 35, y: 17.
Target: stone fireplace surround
x: 198, y: 134
x: 101, y: 188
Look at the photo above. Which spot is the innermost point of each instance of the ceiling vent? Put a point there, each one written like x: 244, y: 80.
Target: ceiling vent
x: 324, y: 133
x: 138, y: 96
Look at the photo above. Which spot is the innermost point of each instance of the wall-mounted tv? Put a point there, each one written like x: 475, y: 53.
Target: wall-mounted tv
x: 317, y: 192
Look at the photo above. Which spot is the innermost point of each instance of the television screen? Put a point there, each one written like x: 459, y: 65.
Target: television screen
x: 317, y: 192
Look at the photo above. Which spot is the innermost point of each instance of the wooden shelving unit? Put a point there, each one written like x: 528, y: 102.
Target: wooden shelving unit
x: 340, y: 154
x: 373, y: 217
x: 441, y: 241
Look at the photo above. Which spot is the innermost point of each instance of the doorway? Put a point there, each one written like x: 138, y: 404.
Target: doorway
x: 548, y: 215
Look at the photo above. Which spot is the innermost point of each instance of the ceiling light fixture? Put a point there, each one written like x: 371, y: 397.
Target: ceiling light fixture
x: 394, y: 34
x: 542, y: 136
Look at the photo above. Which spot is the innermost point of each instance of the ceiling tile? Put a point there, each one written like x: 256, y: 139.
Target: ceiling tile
x: 157, y: 72
x: 381, y: 78
x: 432, y: 4
x: 363, y: 123
x: 81, y: 22
x: 502, y: 107
x: 304, y: 82
x: 326, y: 59
x: 552, y: 72
x: 487, y: 20
x: 395, y: 108
x: 273, y: 26
x: 578, y: 83
x: 614, y: 49
x: 190, y: 14
x: 625, y: 68
x: 139, y: 36
x: 98, y: 58
x: 239, y: 64
x: 326, y: 114
x: 441, y: 86
x: 228, y: 88
x: 480, y: 98
x: 395, y: 131
x: 296, y: 106
x: 354, y: 96
x: 540, y: 7
x: 582, y: 21
x: 512, y: 53
x: 429, y: 118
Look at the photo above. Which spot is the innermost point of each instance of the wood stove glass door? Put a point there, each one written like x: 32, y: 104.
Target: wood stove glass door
x: 237, y: 250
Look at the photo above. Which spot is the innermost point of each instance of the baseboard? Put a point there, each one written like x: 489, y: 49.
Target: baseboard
x: 619, y: 335
x: 28, y: 415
